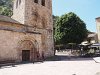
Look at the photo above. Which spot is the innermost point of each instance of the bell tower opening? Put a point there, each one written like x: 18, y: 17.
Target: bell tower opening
x: 35, y: 1
x: 16, y: 4
x: 43, y: 2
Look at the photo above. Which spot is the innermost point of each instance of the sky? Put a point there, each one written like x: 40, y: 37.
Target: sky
x: 87, y: 10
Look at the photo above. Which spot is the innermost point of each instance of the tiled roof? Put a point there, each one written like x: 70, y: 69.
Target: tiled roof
x: 98, y: 19
x: 92, y: 35
x: 7, y: 19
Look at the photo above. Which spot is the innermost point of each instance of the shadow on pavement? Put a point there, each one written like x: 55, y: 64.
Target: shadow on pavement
x: 7, y: 65
x: 67, y: 58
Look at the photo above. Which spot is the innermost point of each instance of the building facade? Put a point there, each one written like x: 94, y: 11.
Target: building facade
x: 98, y: 28
x: 29, y: 33
x: 92, y: 38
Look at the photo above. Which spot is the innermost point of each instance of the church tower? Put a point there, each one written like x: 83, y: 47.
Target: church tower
x: 36, y: 14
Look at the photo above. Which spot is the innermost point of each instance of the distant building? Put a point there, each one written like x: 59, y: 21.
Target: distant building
x: 91, y: 38
x: 98, y: 28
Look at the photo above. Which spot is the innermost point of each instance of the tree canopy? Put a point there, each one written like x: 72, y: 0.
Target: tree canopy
x: 55, y: 19
x: 69, y: 28
x: 6, y: 7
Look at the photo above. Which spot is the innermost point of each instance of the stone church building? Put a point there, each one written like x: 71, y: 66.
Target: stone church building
x: 28, y: 32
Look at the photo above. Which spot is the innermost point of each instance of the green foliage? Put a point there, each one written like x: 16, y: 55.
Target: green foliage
x: 69, y: 28
x: 55, y: 19
x: 5, y: 11
x: 6, y: 7
x: 54, y: 22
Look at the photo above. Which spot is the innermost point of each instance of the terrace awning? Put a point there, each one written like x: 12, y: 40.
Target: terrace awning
x: 95, y: 45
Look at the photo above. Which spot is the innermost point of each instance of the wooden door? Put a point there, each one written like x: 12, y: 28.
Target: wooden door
x: 25, y: 55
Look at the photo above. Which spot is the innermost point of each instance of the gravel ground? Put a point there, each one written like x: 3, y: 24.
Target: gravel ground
x: 78, y: 66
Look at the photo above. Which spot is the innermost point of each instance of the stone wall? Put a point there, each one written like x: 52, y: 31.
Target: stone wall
x: 10, y: 44
x: 37, y: 15
x: 11, y: 34
x: 40, y: 17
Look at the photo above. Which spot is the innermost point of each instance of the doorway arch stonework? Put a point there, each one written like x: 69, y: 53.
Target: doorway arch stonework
x: 30, y: 45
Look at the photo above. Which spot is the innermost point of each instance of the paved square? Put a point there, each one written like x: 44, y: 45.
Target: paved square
x: 71, y: 67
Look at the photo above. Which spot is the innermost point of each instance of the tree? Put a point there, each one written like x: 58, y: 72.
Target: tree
x: 54, y: 21
x: 5, y: 11
x: 70, y: 28
x: 6, y: 7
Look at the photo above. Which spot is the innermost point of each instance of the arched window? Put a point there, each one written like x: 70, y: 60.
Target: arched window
x: 36, y: 1
x: 19, y: 1
x: 16, y: 3
x: 43, y: 2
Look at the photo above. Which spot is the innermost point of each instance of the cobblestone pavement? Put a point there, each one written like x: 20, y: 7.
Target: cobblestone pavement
x: 67, y: 67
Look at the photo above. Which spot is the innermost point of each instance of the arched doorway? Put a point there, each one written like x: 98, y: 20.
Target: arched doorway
x: 27, y: 51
